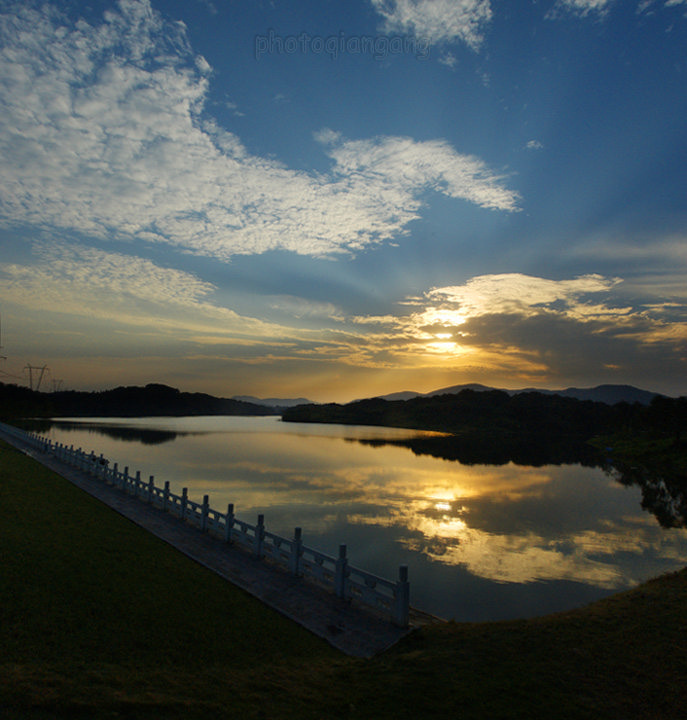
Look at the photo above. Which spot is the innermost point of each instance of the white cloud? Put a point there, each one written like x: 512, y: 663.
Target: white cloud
x: 582, y: 7
x: 648, y: 6
x: 396, y: 167
x: 111, y: 291
x: 448, y: 59
x: 101, y: 133
x: 88, y: 282
x: 437, y: 20
x: 517, y: 293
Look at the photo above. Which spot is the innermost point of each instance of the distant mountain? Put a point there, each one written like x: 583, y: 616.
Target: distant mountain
x: 403, y: 395
x: 273, y: 402
x: 609, y: 394
x: 454, y: 389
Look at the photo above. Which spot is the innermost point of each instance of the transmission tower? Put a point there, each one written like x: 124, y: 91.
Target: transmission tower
x: 31, y: 368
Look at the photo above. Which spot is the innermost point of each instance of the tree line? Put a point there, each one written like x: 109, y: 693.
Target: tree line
x: 132, y: 401
x: 530, y: 415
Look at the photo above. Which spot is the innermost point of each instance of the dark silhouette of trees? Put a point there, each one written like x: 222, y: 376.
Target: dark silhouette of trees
x: 493, y: 413
x: 667, y: 417
x: 151, y: 400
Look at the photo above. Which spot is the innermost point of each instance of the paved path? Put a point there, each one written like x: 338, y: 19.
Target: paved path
x: 351, y: 629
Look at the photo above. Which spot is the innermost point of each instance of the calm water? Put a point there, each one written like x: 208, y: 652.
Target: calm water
x: 482, y: 542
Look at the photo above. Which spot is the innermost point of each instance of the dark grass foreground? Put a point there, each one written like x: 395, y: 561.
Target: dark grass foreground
x: 98, y: 619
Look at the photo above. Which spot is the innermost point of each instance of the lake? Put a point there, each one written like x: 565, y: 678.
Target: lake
x: 481, y: 541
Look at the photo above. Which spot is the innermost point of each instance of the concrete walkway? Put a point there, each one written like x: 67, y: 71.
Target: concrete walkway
x: 349, y: 628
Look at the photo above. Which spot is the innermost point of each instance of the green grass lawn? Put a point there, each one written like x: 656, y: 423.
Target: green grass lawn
x: 101, y: 620
x: 664, y: 455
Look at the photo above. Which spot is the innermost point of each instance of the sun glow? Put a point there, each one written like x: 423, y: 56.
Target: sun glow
x: 444, y: 346
x: 443, y: 316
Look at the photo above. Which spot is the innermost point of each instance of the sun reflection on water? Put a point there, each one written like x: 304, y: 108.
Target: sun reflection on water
x: 506, y: 524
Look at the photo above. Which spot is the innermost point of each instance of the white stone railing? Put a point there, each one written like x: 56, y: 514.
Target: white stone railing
x: 390, y: 598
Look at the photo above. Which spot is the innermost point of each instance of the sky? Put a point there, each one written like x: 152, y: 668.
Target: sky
x: 336, y: 199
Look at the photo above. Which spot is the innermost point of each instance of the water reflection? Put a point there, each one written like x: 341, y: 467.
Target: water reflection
x: 664, y: 492
x: 476, y: 450
x: 126, y: 433
x: 482, y: 541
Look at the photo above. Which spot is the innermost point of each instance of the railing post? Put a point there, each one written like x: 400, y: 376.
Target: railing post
x: 259, y: 536
x: 341, y: 573
x: 204, y: 513
x: 402, y: 598
x: 184, y: 502
x: 228, y: 522
x: 296, y: 552
x: 99, y: 467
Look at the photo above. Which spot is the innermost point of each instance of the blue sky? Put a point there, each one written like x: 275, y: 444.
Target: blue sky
x: 340, y: 199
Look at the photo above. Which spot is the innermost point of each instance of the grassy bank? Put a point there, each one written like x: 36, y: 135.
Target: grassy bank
x: 665, y: 455
x: 99, y: 619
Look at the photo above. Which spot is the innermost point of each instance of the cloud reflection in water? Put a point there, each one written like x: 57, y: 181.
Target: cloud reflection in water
x: 568, y: 532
